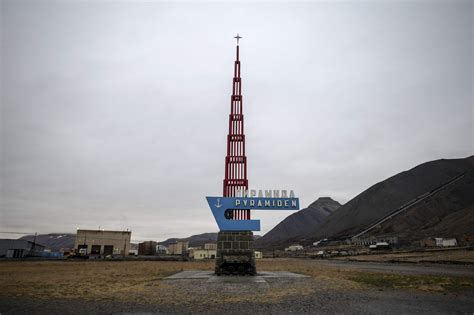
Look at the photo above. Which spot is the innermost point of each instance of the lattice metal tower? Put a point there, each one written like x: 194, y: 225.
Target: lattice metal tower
x: 236, y: 161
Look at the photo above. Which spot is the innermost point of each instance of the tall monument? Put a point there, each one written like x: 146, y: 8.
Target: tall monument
x: 235, y: 250
x: 235, y: 178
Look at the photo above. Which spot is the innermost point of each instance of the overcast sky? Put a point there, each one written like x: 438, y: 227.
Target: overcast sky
x: 115, y: 114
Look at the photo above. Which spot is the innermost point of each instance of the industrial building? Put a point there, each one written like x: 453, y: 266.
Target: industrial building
x: 101, y: 242
x: 161, y: 249
x: 210, y: 246
x: 10, y: 248
x: 147, y: 248
x: 439, y: 242
x: 178, y: 248
x: 294, y: 248
x: 370, y: 240
x: 197, y: 254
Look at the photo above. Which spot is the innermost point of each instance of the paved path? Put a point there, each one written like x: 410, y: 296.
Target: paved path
x: 210, y: 277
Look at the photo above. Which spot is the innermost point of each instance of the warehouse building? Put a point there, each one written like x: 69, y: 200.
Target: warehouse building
x: 439, y: 242
x: 198, y: 254
x: 178, y: 248
x: 369, y: 240
x: 210, y: 246
x: 161, y: 250
x: 10, y: 248
x: 101, y: 242
x: 147, y: 248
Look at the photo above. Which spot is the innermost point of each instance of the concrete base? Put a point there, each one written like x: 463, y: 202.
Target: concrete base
x: 210, y: 277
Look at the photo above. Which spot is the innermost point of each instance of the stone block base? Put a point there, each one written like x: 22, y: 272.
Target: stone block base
x: 235, y: 253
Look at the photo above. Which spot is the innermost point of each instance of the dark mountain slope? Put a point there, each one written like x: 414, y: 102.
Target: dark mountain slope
x: 301, y: 222
x: 449, y: 213
x: 386, y: 196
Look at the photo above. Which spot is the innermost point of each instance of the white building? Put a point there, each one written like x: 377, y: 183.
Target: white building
x: 198, y: 254
x: 294, y: 248
x: 445, y: 242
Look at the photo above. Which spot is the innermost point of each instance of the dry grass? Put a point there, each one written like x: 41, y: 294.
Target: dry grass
x: 348, y: 278
x: 333, y: 276
x: 142, y: 281
x: 448, y: 256
x: 423, y: 283
x: 95, y: 279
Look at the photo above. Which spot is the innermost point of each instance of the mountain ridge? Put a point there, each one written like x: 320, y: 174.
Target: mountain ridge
x: 385, y: 196
x: 301, y: 222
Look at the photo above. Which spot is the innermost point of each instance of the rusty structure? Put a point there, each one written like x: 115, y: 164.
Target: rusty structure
x: 235, y: 251
x: 236, y: 161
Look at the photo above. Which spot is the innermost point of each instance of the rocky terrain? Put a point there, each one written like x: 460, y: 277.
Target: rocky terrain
x: 443, y: 212
x: 301, y: 222
x: 386, y: 196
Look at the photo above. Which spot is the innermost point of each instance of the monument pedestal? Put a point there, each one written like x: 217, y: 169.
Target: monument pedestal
x: 235, y: 253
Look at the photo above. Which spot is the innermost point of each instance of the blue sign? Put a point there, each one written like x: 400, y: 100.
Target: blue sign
x: 221, y: 208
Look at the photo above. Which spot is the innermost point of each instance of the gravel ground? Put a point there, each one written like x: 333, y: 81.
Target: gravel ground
x: 276, y: 296
x: 403, y: 268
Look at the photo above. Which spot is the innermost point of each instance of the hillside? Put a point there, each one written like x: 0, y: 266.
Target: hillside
x: 450, y: 213
x: 301, y: 222
x: 53, y: 241
x: 384, y: 197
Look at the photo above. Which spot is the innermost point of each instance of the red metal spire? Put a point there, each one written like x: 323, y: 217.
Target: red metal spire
x: 236, y: 161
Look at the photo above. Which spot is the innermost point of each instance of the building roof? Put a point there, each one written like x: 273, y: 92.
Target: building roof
x: 7, y: 244
x: 104, y: 231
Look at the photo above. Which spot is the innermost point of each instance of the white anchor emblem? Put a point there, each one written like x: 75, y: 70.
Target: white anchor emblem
x: 218, y: 203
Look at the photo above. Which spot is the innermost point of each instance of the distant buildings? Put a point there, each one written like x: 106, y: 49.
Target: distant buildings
x: 439, y: 242
x: 19, y: 248
x: 147, y: 248
x: 161, y: 249
x: 293, y: 248
x: 380, y: 245
x: 372, y: 240
x: 101, y: 242
x: 210, y: 246
x: 178, y: 248
x: 198, y: 254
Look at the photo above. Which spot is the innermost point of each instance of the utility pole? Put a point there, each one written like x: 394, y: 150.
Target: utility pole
x: 33, y: 247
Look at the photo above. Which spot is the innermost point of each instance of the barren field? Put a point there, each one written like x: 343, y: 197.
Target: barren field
x: 140, y: 285
x: 444, y: 256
